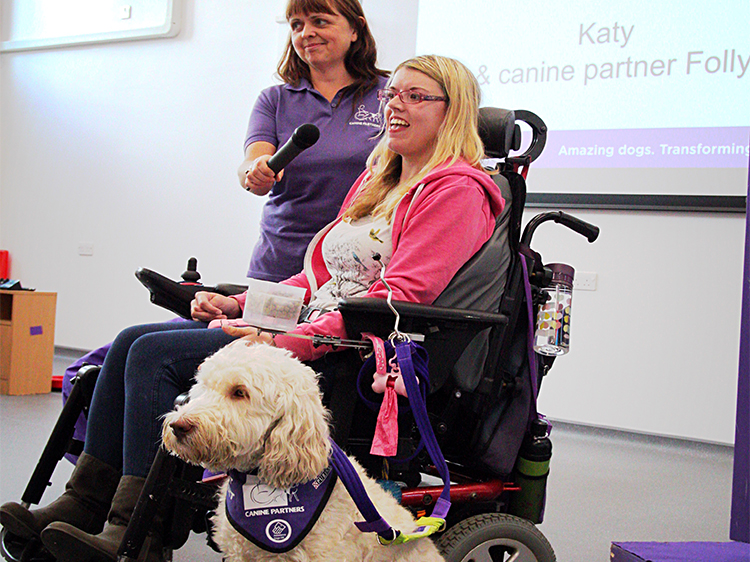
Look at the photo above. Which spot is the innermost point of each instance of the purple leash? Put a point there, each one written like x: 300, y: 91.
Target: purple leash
x: 374, y: 522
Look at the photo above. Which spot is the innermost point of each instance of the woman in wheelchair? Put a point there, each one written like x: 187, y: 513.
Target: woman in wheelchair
x: 424, y: 204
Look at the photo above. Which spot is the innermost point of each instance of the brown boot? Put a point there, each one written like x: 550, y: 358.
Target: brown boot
x: 84, y: 504
x: 69, y: 544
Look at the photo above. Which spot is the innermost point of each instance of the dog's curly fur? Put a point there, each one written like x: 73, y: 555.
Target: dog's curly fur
x: 255, y: 406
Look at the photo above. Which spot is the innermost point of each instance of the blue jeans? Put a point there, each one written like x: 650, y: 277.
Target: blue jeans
x: 147, y: 367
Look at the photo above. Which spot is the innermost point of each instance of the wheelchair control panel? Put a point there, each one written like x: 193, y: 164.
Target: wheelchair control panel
x: 176, y: 296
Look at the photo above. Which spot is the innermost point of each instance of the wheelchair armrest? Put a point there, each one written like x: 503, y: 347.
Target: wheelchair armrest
x: 376, y: 317
x: 229, y: 289
x: 446, y: 331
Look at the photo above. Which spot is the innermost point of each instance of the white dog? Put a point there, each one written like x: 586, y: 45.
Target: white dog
x: 255, y: 407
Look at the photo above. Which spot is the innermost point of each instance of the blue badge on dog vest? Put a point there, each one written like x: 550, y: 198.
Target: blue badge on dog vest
x: 273, y: 519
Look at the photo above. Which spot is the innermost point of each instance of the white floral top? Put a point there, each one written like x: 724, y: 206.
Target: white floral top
x: 348, y: 251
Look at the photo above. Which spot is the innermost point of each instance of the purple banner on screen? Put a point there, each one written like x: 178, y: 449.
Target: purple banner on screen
x: 35, y: 331
x: 704, y: 147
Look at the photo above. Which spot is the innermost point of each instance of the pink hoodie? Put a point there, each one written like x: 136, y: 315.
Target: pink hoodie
x: 452, y: 216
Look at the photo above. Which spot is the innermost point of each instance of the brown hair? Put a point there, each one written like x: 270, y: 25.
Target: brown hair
x: 360, y: 59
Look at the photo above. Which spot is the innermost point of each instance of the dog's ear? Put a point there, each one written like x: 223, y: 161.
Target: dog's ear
x: 297, y: 449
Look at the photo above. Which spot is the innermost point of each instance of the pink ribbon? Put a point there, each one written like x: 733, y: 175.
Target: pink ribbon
x: 387, y: 380
x: 385, y: 440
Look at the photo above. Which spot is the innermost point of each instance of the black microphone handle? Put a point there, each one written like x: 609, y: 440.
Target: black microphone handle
x: 284, y: 155
x: 303, y: 137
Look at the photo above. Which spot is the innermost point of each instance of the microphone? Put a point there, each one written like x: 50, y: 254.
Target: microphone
x: 303, y: 137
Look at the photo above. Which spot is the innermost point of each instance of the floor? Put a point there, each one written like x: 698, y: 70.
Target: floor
x: 603, y: 486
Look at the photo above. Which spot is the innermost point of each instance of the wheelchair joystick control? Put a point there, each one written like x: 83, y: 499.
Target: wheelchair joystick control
x: 191, y: 276
x: 552, y: 335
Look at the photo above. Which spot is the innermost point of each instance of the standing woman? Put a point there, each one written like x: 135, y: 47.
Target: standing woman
x: 330, y: 80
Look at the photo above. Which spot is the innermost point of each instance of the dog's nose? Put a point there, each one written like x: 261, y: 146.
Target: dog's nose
x: 181, y: 428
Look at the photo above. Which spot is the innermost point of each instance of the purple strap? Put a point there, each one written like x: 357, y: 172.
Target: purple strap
x: 533, y: 413
x: 349, y: 477
x: 419, y: 410
x: 379, y: 526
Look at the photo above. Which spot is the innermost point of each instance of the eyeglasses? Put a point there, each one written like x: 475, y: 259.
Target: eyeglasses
x: 408, y: 96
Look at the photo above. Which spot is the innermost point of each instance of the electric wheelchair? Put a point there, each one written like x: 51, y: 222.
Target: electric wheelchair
x: 483, y: 381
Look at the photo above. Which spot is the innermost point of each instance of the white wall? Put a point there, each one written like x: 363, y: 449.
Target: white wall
x: 133, y: 147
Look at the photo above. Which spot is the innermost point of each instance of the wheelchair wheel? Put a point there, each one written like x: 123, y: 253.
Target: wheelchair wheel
x: 495, y: 537
x: 16, y: 549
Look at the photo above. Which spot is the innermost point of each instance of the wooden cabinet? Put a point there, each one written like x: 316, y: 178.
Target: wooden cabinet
x: 27, y: 341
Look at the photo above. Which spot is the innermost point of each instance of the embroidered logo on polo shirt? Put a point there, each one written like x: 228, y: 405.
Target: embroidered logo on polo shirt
x: 366, y: 118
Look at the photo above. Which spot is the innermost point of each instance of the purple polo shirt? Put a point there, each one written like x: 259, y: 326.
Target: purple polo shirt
x: 315, y: 183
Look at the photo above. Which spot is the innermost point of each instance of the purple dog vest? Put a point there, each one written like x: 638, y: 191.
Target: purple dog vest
x: 273, y: 519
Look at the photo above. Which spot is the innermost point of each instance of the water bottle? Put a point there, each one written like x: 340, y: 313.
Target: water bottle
x: 530, y: 473
x: 552, y: 336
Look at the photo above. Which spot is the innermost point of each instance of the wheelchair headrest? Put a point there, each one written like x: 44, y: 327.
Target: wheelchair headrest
x: 501, y: 134
x: 497, y: 129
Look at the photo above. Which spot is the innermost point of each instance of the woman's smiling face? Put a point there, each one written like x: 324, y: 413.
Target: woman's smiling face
x: 412, y: 129
x: 321, y: 40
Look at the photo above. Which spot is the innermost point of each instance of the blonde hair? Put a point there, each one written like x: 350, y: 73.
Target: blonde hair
x: 458, y: 137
